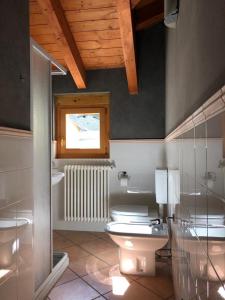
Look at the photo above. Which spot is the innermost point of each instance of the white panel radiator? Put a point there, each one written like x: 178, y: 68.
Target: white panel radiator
x: 86, y: 193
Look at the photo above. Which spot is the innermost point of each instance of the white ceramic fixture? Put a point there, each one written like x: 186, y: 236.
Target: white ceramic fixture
x: 57, y: 176
x: 138, y: 243
x: 8, y: 227
x: 9, y: 241
x: 132, y: 213
x: 137, y: 238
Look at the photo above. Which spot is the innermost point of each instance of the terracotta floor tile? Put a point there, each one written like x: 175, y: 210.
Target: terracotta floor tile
x: 109, y: 240
x: 100, y: 271
x: 86, y: 265
x: 79, y: 237
x: 75, y: 252
x: 104, y: 236
x: 115, y: 271
x: 100, y: 280
x: 73, y: 290
x: 60, y: 243
x: 134, y: 292
x: 96, y: 246
x: 110, y: 256
x: 100, y: 234
x: 61, y: 232
x: 68, y: 275
x: 55, y: 234
x: 103, y: 280
x: 161, y: 285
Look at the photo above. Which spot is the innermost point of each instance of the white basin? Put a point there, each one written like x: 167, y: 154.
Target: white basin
x: 8, y: 227
x: 7, y: 224
x: 57, y: 177
x: 9, y: 240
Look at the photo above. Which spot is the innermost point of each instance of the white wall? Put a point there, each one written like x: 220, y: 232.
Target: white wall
x: 138, y: 158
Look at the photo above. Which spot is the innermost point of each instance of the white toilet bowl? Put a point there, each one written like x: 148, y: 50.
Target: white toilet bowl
x: 137, y: 239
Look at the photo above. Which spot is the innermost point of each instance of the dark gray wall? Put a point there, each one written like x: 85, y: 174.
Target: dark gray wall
x: 132, y: 117
x: 14, y: 64
x: 195, y: 59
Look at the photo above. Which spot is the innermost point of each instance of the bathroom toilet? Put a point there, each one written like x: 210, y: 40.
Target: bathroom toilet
x: 139, y: 233
x: 133, y: 213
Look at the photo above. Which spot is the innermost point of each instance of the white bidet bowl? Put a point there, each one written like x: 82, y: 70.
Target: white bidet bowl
x: 138, y: 243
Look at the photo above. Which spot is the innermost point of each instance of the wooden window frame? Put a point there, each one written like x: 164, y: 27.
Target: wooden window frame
x: 69, y: 105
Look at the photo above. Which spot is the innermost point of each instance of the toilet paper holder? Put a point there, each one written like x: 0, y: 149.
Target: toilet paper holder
x: 123, y: 178
x: 122, y: 174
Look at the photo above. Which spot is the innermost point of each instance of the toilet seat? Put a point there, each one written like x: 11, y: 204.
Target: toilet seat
x: 130, y: 210
x: 132, y: 213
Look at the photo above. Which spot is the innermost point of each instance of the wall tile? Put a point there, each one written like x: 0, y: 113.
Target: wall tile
x: 15, y: 153
x: 16, y: 204
x: 198, y: 243
x: 15, y: 186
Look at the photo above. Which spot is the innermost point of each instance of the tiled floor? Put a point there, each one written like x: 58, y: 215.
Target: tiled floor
x: 93, y: 272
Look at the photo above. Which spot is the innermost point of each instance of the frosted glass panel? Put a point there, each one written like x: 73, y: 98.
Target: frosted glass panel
x: 83, y: 131
x: 198, y: 244
x: 41, y: 95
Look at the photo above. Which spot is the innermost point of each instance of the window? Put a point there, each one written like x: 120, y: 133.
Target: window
x: 82, y: 125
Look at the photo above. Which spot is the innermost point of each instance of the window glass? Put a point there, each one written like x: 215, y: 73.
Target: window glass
x: 83, y: 131
x: 82, y: 125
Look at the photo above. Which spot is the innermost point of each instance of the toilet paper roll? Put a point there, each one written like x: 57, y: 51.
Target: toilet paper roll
x: 123, y: 181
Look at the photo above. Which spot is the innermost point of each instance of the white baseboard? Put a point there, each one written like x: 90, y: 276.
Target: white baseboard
x: 42, y: 292
x: 79, y: 226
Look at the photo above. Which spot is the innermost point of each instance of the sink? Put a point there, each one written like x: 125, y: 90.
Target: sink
x: 9, y: 240
x: 57, y: 176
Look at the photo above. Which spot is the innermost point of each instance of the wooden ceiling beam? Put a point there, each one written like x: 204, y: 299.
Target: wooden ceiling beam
x: 127, y: 40
x: 56, y: 19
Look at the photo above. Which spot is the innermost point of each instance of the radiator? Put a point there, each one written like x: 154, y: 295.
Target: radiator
x: 86, y: 193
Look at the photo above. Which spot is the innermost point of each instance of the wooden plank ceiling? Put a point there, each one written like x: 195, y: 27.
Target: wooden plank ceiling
x: 95, y: 27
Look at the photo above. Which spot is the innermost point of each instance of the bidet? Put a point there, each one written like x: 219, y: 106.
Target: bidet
x: 138, y: 243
